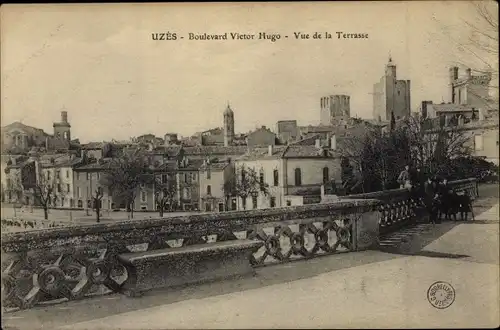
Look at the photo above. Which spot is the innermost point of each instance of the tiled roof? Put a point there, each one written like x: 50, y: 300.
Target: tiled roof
x: 219, y: 166
x: 103, y: 163
x: 263, y: 153
x: 193, y: 165
x: 64, y: 160
x: 295, y: 151
x: 316, y: 129
x: 450, y: 107
x: 167, y: 166
x: 309, y: 139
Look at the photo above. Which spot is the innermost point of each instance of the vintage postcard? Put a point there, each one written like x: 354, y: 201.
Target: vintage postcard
x: 267, y: 165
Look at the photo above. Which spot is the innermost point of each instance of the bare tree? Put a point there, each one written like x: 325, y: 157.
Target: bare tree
x: 97, y: 202
x: 125, y: 174
x: 165, y: 192
x: 432, y: 146
x: 476, y: 43
x: 245, y: 183
x: 44, y: 192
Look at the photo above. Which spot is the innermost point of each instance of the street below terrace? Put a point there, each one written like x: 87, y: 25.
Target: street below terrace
x: 371, y: 289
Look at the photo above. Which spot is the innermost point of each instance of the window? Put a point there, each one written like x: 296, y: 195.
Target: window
x: 242, y: 175
x: 71, y: 202
x: 80, y: 203
x: 209, y: 190
x: 143, y: 197
x: 59, y: 188
x: 276, y: 177
x: 62, y: 201
x: 244, y: 203
x: 67, y: 173
x: 326, y: 175
x: 261, y: 178
x: 254, y: 202
x: 478, y: 142
x: 186, y: 177
x: 209, y: 175
x: 288, y: 203
x: 164, y: 178
x: 48, y: 175
x: 298, y: 177
x: 78, y: 192
x: 68, y: 188
x: 273, y: 201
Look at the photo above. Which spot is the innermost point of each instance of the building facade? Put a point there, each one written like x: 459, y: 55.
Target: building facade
x: 261, y: 137
x: 287, y: 131
x: 213, y: 177
x: 391, y: 95
x: 292, y: 173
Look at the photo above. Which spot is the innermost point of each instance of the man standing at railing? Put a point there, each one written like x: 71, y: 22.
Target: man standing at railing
x: 404, y: 178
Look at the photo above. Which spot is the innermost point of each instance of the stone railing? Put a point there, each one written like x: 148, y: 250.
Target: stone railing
x: 400, y: 208
x: 78, y: 261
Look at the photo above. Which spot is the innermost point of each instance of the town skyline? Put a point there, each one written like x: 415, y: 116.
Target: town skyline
x: 115, y: 82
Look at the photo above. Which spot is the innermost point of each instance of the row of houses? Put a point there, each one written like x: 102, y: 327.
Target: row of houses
x: 293, y: 173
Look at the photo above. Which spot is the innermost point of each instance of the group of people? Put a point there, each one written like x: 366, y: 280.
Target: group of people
x: 437, y: 196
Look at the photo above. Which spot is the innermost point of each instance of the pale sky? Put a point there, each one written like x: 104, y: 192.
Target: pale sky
x: 99, y: 62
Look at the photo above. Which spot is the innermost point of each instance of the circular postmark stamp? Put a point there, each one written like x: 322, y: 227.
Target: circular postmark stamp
x: 441, y: 295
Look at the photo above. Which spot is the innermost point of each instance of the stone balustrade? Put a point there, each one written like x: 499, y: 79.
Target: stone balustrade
x: 78, y: 261
x: 400, y: 208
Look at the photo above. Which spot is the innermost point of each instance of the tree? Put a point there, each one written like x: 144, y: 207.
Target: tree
x: 165, y: 191
x: 44, y: 192
x: 244, y: 183
x: 431, y: 146
x: 475, y: 41
x: 97, y: 202
x: 125, y: 174
x: 379, y: 157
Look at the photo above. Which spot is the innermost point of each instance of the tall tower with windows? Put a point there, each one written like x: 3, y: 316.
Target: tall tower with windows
x: 228, y: 126
x: 62, y: 130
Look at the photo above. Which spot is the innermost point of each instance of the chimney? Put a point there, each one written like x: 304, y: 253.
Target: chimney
x: 270, y: 150
x: 64, y: 116
x: 481, y: 114
x: 333, y: 142
x: 446, y: 120
x: 318, y: 143
x: 468, y: 73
